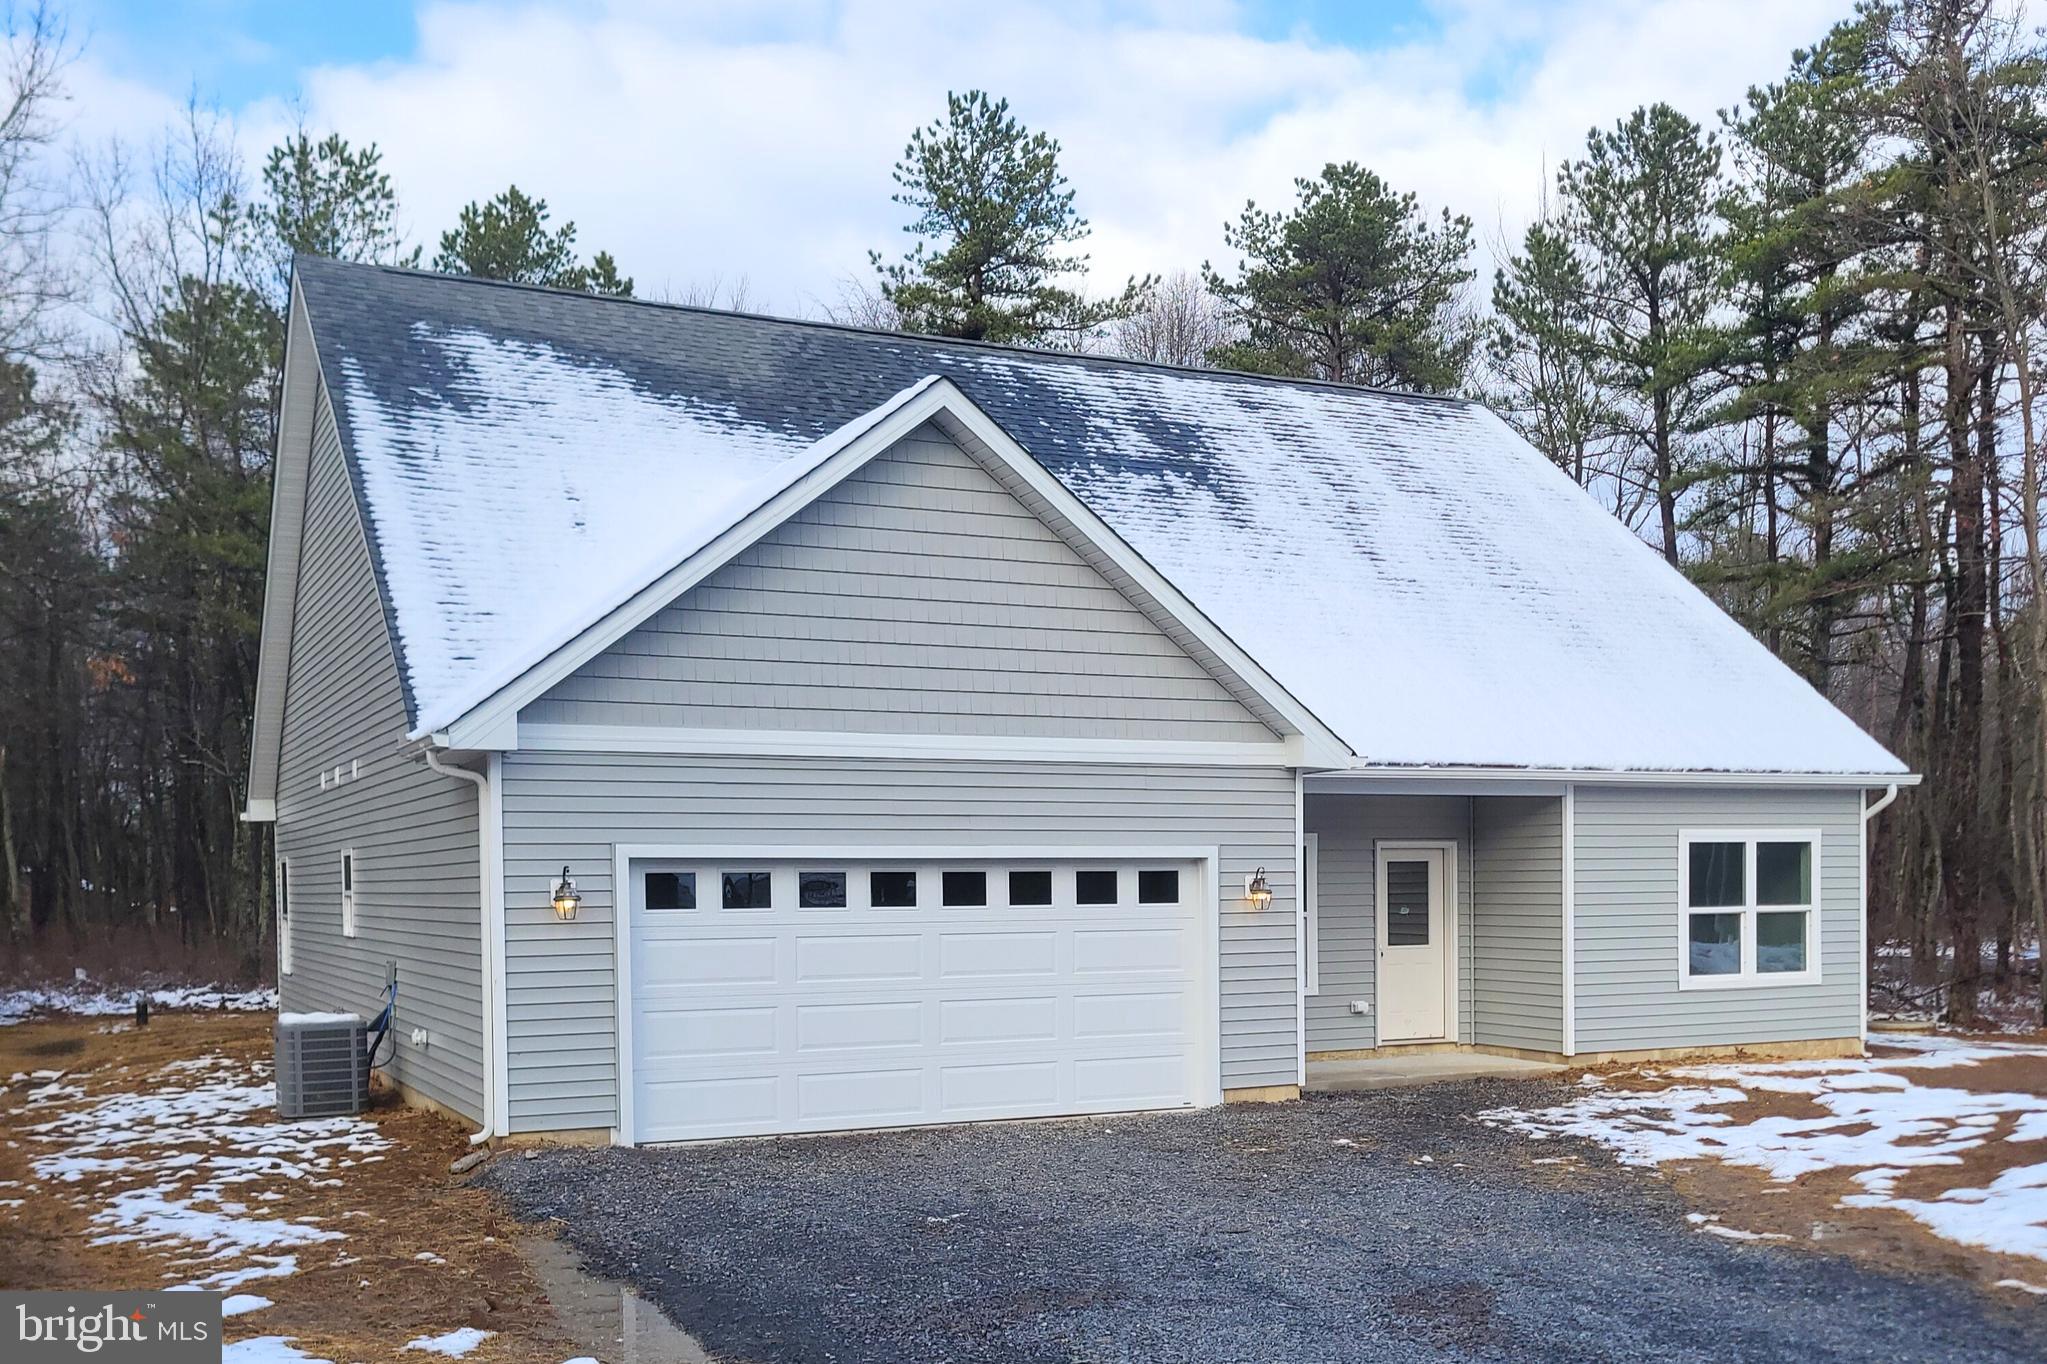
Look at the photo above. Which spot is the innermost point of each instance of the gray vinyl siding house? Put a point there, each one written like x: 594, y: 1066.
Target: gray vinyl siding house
x: 933, y: 732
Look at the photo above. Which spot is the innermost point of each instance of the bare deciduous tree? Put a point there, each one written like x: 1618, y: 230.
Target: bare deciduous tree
x: 1179, y: 323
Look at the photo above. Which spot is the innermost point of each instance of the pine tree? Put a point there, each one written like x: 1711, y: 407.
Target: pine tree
x: 1797, y: 264
x: 1353, y: 284
x: 51, y: 586
x: 508, y: 238
x: 995, y: 216
x: 1544, y: 379
x: 329, y: 199
x: 1640, y: 207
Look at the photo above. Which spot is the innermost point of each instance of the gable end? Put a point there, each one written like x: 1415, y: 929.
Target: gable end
x: 921, y: 595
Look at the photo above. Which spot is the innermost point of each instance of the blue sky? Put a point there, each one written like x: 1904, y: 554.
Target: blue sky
x: 750, y: 141
x: 238, y: 51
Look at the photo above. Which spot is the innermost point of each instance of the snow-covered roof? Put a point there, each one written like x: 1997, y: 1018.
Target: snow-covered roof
x: 1407, y: 567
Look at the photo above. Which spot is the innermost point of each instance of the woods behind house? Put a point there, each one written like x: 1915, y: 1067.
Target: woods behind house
x: 1794, y: 347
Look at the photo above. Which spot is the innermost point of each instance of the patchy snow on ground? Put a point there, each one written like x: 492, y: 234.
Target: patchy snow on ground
x: 1877, y: 1120
x: 171, y: 1167
x: 90, y: 1000
x: 266, y: 1350
x: 454, y: 1344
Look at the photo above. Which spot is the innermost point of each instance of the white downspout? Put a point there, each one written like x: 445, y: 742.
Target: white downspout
x: 486, y: 879
x: 1869, y: 812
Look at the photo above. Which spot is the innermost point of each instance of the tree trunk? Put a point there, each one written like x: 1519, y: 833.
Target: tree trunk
x: 17, y: 902
x: 1962, y: 867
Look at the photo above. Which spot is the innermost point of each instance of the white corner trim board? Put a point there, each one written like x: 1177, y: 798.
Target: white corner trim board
x: 1570, y: 919
x: 492, y: 929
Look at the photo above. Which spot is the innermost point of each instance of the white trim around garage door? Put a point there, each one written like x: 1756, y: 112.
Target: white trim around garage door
x: 1207, y: 860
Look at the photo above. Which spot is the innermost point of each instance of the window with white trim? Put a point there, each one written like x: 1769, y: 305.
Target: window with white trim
x: 348, y: 894
x: 1748, y: 908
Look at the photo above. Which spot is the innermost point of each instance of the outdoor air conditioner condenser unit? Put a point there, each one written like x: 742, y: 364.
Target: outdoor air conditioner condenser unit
x: 323, y: 1068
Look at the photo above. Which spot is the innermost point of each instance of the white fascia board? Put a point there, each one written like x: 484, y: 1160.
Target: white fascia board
x: 1550, y: 781
x: 260, y: 812
x: 484, y: 726
x: 291, y: 469
x: 570, y: 738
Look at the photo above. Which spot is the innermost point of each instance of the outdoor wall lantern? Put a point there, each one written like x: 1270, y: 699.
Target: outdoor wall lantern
x: 566, y: 900
x: 1258, y: 890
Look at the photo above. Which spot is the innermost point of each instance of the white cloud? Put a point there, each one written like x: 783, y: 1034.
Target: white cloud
x: 739, y: 140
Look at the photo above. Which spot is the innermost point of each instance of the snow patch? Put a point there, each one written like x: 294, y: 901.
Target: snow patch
x: 266, y: 1350
x: 454, y: 1344
x: 1876, y: 1119
x: 184, y: 1150
x: 84, y: 999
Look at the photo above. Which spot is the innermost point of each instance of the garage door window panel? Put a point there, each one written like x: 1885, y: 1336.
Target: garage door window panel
x: 1158, y: 887
x: 963, y: 889
x: 1030, y: 889
x: 821, y: 889
x: 1094, y: 886
x: 670, y: 890
x: 747, y: 889
x: 892, y: 889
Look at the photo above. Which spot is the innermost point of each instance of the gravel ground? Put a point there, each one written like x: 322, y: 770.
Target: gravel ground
x: 1371, y: 1227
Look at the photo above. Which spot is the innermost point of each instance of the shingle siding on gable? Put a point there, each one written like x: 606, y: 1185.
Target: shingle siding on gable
x: 413, y: 832
x: 1626, y: 912
x: 920, y: 597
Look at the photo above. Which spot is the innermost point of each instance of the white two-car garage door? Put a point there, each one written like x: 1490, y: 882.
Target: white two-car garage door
x: 814, y: 993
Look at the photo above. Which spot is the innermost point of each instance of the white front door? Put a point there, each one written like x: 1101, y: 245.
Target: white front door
x: 1414, y: 952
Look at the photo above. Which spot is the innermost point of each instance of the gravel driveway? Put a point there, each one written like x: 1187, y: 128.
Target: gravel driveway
x: 1373, y: 1227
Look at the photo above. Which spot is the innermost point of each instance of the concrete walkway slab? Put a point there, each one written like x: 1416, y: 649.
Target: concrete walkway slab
x: 1422, y: 1068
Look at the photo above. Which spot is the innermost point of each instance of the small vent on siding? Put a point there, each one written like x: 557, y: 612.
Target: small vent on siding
x: 323, y: 1069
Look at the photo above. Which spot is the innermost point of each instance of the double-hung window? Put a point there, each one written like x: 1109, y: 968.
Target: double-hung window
x: 348, y: 894
x: 1748, y: 908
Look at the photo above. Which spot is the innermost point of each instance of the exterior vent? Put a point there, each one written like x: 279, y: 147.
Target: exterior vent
x: 323, y: 1070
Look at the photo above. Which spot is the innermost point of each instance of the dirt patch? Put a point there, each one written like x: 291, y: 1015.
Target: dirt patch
x: 1807, y: 1213
x: 422, y: 1252
x: 2025, y: 1074
x: 1453, y: 1316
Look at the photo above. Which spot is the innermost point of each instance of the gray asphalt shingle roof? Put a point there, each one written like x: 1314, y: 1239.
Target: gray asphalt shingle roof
x: 1405, y: 565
